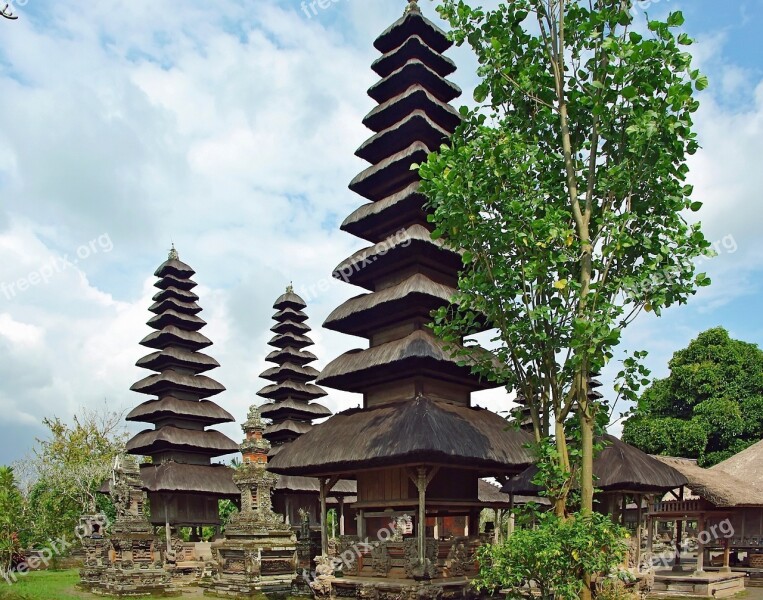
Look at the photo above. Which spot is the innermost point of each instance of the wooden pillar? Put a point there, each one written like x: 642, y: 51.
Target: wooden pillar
x: 726, y: 556
x: 341, y: 515
x: 498, y: 526
x: 639, y: 518
x: 324, y: 518
x: 287, y: 510
x: 422, y: 486
x: 167, y: 529
x: 624, y: 510
x: 700, y: 547
x: 361, y: 517
x: 422, y: 480
x: 679, y: 539
x: 437, y: 528
x: 510, y: 525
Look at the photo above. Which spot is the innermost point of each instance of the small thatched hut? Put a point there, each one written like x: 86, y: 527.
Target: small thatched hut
x: 728, y: 509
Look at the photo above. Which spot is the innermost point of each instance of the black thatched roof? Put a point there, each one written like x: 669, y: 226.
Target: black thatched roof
x: 210, y: 443
x: 289, y: 300
x: 418, y: 430
x: 199, y: 479
x: 194, y: 410
x: 290, y: 406
x: 418, y: 352
x: 409, y: 25
x: 413, y: 47
x: 618, y: 468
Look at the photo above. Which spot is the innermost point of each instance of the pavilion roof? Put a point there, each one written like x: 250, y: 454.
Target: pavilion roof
x: 619, y: 467
x: 416, y: 430
x: 721, y: 488
x: 747, y: 465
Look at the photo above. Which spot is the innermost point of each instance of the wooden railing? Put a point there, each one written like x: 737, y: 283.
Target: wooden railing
x: 678, y: 506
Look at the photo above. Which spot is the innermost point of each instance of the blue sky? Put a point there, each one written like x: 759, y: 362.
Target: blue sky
x: 229, y: 128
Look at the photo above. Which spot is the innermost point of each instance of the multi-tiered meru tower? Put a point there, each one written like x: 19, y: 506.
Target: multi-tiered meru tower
x: 182, y: 483
x: 292, y: 409
x: 417, y: 447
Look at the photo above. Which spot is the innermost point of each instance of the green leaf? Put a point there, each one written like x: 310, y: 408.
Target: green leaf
x: 702, y: 82
x: 480, y: 93
x: 676, y: 19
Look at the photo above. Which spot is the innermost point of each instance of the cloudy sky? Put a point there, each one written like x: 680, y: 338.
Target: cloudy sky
x: 229, y: 128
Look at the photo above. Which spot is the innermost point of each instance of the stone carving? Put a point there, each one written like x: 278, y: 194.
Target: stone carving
x: 324, y: 572
x: 380, y: 560
x: 413, y: 568
x: 459, y: 559
x: 401, y: 525
x: 134, y: 564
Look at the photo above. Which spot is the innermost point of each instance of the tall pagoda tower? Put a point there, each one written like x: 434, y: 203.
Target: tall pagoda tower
x: 291, y: 408
x: 417, y: 447
x: 182, y: 483
x: 292, y: 392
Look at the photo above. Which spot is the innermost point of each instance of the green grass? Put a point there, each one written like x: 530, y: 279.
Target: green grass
x: 42, y: 585
x: 47, y: 585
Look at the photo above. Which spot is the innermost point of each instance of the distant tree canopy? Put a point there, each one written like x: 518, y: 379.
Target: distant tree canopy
x: 67, y: 469
x: 709, y: 408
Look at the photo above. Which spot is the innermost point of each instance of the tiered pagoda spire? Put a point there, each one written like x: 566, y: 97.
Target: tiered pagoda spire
x: 180, y: 445
x: 407, y: 273
x: 292, y: 409
x: 416, y: 395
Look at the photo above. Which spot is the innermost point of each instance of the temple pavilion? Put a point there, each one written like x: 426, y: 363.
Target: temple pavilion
x: 292, y: 408
x: 418, y: 446
x: 184, y: 487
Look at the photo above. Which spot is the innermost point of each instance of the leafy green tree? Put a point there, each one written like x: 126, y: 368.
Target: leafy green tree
x: 68, y: 468
x: 710, y: 406
x: 11, y: 517
x: 555, y: 554
x: 566, y: 190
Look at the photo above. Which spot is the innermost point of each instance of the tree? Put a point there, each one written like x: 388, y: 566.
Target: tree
x: 566, y: 190
x: 11, y: 516
x: 70, y: 466
x: 710, y: 406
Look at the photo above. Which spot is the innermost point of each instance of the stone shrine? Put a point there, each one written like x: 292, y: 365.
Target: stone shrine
x: 259, y: 552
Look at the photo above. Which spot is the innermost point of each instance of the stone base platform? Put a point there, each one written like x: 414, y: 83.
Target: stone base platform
x: 382, y: 588
x: 132, y: 583
x: 709, y: 585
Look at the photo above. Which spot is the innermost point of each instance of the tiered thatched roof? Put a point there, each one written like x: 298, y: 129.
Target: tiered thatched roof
x: 293, y: 408
x: 180, y: 444
x: 292, y: 394
x: 417, y: 394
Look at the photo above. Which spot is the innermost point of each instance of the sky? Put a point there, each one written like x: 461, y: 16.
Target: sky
x: 229, y: 129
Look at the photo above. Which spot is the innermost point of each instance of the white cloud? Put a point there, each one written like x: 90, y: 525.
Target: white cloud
x: 229, y: 129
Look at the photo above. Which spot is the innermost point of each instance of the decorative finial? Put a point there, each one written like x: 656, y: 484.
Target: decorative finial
x: 173, y: 253
x: 290, y: 288
x: 413, y: 7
